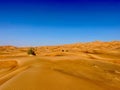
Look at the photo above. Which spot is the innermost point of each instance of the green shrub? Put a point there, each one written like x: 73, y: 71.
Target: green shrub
x: 31, y: 52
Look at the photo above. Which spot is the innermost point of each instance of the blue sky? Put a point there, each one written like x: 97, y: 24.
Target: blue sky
x: 53, y: 22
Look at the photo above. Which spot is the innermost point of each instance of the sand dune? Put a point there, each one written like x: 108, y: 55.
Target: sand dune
x: 81, y: 66
x: 44, y: 74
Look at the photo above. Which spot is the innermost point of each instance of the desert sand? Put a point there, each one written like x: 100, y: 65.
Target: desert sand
x: 80, y: 66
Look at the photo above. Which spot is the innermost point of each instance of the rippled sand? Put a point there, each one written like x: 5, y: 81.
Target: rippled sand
x: 82, y: 66
x: 58, y: 73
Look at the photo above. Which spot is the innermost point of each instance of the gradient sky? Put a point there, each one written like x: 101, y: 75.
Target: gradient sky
x: 53, y: 22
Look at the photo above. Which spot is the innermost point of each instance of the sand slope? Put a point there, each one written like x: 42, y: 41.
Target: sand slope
x: 82, y: 66
x: 56, y: 74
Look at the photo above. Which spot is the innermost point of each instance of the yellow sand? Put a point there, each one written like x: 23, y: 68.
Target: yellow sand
x: 90, y: 69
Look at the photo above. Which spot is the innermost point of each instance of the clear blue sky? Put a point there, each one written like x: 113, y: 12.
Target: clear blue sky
x: 53, y: 22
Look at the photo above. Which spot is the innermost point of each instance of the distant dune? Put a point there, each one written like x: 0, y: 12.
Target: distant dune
x: 79, y: 66
x: 78, y: 49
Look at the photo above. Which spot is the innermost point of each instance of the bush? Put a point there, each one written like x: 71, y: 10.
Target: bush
x: 31, y: 52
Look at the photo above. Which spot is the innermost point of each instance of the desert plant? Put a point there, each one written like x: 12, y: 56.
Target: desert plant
x: 62, y: 50
x: 31, y: 52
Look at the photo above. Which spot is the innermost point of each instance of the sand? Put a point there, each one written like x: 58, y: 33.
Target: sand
x: 70, y: 70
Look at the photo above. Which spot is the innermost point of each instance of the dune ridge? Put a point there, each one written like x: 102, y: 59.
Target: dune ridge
x: 80, y: 66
